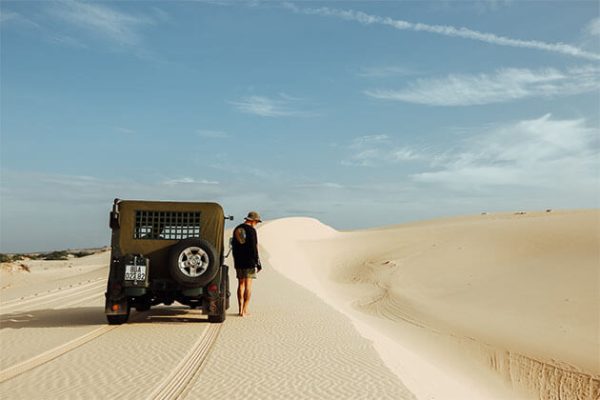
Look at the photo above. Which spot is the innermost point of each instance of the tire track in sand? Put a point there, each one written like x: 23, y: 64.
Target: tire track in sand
x: 57, y: 294
x: 177, y: 383
x: 51, y: 354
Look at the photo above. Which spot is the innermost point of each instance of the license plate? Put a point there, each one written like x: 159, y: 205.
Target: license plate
x: 135, y: 272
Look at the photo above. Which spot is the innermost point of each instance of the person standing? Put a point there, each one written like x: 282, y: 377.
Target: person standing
x: 245, y: 258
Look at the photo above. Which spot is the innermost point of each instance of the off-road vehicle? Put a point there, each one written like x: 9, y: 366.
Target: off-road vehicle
x: 162, y: 252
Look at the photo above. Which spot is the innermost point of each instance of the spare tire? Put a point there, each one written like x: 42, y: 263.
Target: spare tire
x: 193, y: 262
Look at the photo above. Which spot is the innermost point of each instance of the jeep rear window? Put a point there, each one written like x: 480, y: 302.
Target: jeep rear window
x: 167, y: 225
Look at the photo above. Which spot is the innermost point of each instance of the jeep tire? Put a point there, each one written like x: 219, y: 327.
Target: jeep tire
x: 223, y: 303
x: 193, y: 262
x: 119, y: 319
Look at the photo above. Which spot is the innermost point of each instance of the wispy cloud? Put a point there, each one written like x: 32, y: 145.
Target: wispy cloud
x: 282, y: 106
x: 376, y: 150
x: 101, y: 20
x: 123, y: 130
x: 484, y: 6
x: 542, y: 152
x: 368, y: 140
x: 8, y: 15
x: 11, y: 17
x: 212, y: 134
x: 187, y: 180
x: 385, y: 72
x: 65, y: 40
x: 593, y: 27
x: 320, y: 185
x: 445, y: 30
x: 502, y: 86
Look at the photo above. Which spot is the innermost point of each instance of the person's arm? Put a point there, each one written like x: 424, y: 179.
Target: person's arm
x: 255, y: 250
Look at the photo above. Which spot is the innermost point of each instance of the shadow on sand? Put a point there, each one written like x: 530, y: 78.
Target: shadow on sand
x: 89, y: 316
x: 51, y: 318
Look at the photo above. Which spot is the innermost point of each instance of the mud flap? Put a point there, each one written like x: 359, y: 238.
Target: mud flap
x: 116, y: 307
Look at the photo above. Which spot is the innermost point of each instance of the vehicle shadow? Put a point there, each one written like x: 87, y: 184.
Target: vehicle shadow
x: 53, y: 318
x: 89, y: 316
x: 168, y: 315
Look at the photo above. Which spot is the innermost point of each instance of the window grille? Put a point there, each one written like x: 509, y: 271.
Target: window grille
x: 168, y: 225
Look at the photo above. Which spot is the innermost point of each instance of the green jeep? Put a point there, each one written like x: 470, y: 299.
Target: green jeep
x: 163, y: 252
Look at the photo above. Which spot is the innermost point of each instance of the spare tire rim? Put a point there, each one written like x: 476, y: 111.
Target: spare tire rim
x: 193, y: 261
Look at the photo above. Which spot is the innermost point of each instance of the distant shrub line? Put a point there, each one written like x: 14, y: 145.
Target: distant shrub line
x: 53, y: 255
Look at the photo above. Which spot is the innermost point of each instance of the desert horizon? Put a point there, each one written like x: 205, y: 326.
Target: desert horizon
x: 411, y: 311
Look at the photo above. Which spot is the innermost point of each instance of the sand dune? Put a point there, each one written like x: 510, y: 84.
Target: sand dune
x: 484, y: 307
x: 514, y: 294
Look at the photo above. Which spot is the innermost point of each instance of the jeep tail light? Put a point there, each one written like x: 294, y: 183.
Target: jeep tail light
x: 212, y: 288
x: 115, y: 307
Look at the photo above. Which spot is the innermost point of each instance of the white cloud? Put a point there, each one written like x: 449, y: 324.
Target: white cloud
x: 376, y: 150
x: 7, y: 15
x: 322, y: 185
x: 593, y: 27
x: 10, y: 17
x: 161, y: 15
x: 65, y: 40
x: 187, y: 180
x: 385, y: 72
x: 444, y: 30
x: 542, y: 152
x: 101, y: 20
x: 404, y: 154
x: 269, y: 107
x: 73, y: 181
x: 124, y: 130
x: 490, y: 5
x: 363, y: 141
x: 502, y: 86
x: 212, y: 134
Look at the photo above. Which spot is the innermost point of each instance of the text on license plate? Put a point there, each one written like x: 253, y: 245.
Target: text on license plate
x: 135, y: 272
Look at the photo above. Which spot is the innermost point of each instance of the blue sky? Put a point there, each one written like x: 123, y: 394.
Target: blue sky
x: 360, y: 114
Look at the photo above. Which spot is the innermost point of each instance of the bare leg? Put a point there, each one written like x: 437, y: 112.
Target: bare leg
x: 247, y: 295
x: 241, y: 294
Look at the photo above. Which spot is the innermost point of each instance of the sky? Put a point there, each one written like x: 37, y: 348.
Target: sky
x: 359, y: 114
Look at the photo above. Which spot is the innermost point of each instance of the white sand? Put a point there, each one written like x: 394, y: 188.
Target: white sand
x: 449, y: 302
x: 485, y: 307
x: 293, y: 345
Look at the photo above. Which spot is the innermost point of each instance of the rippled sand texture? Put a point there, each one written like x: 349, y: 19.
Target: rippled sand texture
x: 517, y: 294
x: 55, y: 344
x: 293, y: 346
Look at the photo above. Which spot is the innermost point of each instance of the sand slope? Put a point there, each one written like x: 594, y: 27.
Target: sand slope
x: 515, y: 294
x: 55, y: 344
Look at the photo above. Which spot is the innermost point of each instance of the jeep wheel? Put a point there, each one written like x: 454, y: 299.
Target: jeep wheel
x: 118, y: 319
x: 193, y: 262
x: 225, y: 288
x: 216, y: 319
x: 223, y: 298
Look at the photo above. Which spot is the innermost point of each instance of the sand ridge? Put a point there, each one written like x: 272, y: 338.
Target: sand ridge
x: 516, y: 292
